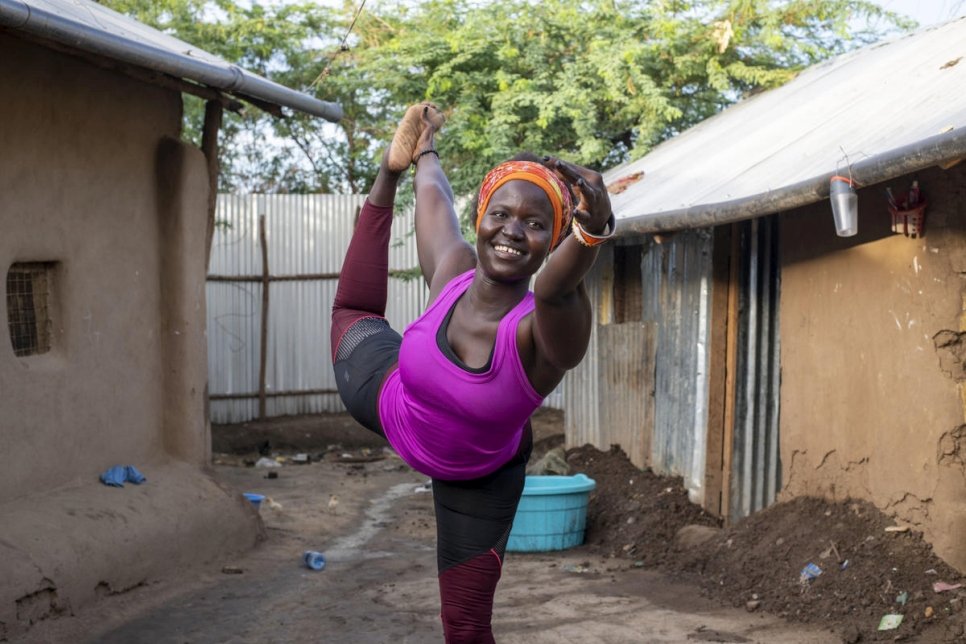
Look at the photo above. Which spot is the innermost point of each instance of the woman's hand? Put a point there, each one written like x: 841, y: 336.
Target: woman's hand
x: 593, y: 209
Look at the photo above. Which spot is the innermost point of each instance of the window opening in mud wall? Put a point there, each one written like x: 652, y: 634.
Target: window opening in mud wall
x: 628, y: 294
x: 28, y: 307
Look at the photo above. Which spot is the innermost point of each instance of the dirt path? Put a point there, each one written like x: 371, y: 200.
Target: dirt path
x: 379, y: 583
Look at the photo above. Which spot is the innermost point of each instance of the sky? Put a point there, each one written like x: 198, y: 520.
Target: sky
x: 926, y: 12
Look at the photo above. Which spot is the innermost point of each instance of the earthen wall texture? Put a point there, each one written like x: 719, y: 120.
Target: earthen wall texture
x: 79, y: 184
x: 872, y: 351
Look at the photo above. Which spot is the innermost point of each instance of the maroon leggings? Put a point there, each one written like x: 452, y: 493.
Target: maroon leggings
x: 473, y: 518
x: 364, y: 279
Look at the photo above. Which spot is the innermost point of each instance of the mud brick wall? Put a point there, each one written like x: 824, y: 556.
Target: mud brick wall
x: 873, y: 333
x: 96, y: 184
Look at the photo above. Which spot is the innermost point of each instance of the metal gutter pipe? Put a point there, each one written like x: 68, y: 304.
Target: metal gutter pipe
x: 882, y: 167
x: 18, y: 15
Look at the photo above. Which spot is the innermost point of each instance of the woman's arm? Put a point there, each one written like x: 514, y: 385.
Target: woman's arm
x: 442, y: 251
x: 563, y: 317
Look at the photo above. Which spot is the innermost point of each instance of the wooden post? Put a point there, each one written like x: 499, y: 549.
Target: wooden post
x: 717, y: 373
x: 731, y: 360
x: 264, y: 334
x: 214, y: 111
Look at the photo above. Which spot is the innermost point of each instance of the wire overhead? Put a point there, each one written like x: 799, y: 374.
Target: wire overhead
x: 342, y: 46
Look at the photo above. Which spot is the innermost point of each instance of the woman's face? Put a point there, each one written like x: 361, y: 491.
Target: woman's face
x: 515, y: 232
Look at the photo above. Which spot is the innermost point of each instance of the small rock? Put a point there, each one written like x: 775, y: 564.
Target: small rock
x: 691, y: 536
x: 753, y: 605
x: 779, y: 541
x: 928, y: 612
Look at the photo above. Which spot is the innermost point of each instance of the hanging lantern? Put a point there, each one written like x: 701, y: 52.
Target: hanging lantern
x: 845, y: 206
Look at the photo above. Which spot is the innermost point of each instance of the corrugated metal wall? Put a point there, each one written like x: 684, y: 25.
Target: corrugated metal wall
x: 677, y: 284
x: 756, y: 469
x: 676, y: 278
x: 677, y: 297
x: 581, y: 386
x: 306, y: 234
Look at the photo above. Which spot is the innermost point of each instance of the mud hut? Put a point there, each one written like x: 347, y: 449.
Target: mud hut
x: 106, y: 215
x: 744, y: 345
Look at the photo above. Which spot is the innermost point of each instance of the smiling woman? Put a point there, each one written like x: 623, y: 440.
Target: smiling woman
x: 484, y: 338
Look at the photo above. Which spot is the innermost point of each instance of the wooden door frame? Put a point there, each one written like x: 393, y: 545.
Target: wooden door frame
x: 722, y: 369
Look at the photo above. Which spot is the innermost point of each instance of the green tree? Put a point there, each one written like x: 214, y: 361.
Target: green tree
x: 597, y: 82
x: 286, y: 42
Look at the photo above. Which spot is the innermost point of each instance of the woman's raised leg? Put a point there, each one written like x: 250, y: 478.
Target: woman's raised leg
x: 364, y: 277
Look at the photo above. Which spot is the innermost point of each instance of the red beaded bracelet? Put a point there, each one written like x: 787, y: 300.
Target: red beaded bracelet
x: 589, y: 239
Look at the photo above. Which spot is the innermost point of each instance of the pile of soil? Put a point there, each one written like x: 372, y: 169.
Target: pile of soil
x: 634, y: 513
x: 867, y: 572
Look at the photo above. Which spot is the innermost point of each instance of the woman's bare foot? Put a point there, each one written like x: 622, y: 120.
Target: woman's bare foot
x: 432, y: 121
x: 402, y: 150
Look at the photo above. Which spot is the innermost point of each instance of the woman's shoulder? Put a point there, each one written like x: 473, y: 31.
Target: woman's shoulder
x: 457, y: 263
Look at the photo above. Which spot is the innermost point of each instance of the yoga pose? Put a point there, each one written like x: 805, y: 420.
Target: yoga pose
x: 453, y: 395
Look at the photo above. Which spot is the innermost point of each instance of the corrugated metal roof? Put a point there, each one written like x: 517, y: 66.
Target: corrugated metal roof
x: 93, y: 28
x: 890, y: 108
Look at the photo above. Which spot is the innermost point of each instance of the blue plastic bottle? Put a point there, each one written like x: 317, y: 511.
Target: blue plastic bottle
x: 314, y: 560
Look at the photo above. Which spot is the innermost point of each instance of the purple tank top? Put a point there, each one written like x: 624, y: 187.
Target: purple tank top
x: 447, y: 422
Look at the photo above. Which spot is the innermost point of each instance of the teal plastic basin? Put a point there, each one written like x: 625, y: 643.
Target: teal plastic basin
x: 552, y: 513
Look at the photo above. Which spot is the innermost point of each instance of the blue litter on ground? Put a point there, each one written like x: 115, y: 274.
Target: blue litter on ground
x: 118, y: 475
x: 552, y: 513
x: 132, y: 475
x: 256, y: 499
x: 809, y: 572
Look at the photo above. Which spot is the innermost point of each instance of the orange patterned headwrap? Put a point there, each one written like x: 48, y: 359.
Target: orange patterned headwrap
x: 536, y: 174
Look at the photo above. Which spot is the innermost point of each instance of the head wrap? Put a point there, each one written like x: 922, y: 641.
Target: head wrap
x: 536, y: 174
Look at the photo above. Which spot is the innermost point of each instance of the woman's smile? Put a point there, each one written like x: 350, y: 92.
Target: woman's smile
x: 507, y: 250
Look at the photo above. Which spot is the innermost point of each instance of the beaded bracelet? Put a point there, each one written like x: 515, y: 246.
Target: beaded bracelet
x: 589, y: 239
x: 424, y: 153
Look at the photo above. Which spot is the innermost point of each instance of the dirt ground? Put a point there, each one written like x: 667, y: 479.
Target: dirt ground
x: 638, y: 578
x: 867, y: 571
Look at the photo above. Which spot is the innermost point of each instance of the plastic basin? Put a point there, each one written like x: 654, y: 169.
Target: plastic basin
x: 256, y: 499
x: 552, y: 513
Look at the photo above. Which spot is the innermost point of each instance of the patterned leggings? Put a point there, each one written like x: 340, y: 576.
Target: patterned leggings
x: 473, y: 518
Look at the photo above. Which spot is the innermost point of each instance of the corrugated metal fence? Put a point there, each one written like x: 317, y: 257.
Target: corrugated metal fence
x: 756, y: 470
x: 677, y: 297
x: 670, y: 420
x: 306, y: 239
x: 306, y: 236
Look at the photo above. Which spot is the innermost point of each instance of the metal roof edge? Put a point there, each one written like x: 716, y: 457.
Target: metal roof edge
x: 888, y: 165
x: 18, y: 15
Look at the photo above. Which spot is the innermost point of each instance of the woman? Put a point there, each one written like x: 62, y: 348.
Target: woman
x: 453, y: 396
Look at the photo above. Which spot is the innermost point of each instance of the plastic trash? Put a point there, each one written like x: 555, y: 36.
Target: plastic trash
x: 118, y: 475
x: 267, y: 462
x: 942, y: 586
x: 314, y: 560
x: 114, y: 476
x: 255, y: 499
x: 890, y: 622
x: 809, y: 572
x: 902, y: 598
x: 133, y: 476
